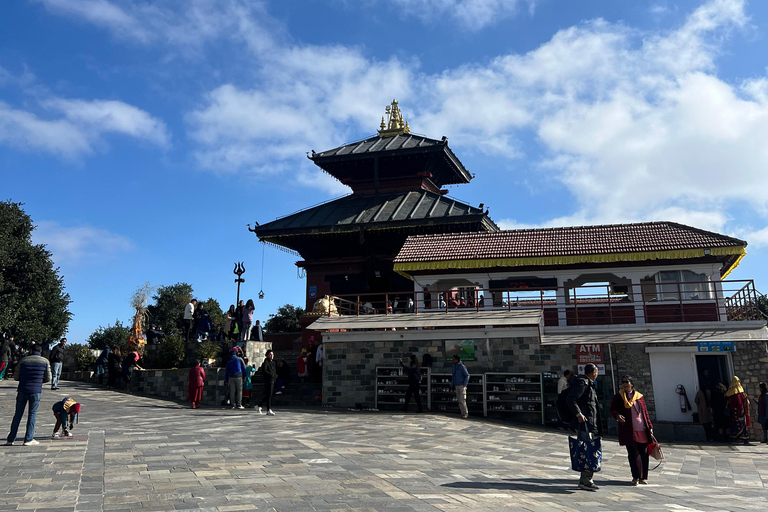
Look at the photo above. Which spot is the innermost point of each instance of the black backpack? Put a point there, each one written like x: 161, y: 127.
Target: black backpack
x: 563, y: 411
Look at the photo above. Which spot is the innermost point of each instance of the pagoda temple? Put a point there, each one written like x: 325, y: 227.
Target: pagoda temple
x: 348, y: 245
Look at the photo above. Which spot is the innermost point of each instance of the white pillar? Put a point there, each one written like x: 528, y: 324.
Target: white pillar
x: 637, y: 299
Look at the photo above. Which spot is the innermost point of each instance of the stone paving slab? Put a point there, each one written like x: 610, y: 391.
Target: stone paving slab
x: 133, y: 453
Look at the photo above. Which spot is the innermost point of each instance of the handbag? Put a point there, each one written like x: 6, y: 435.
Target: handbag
x: 585, y: 455
x: 655, y: 451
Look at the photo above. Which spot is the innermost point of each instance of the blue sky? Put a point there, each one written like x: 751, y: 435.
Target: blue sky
x: 143, y: 136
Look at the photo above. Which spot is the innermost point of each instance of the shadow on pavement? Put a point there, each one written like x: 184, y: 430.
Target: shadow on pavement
x: 541, y: 485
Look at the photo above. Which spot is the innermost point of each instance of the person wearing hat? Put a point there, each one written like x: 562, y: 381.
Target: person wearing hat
x: 65, y: 411
x: 233, y: 377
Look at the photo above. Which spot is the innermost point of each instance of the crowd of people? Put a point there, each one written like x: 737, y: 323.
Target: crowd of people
x: 239, y: 325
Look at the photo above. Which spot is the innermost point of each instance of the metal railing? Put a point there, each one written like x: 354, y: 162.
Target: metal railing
x: 645, y: 302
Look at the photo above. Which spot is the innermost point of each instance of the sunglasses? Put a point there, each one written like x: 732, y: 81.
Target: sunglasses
x: 626, y: 382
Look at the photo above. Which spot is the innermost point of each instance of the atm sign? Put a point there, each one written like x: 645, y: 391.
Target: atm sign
x: 589, y: 353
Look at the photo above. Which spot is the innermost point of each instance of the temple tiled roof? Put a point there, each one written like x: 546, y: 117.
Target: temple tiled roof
x: 646, y: 237
x: 373, y: 211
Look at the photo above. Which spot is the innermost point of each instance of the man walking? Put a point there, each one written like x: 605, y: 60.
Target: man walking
x: 57, y: 360
x: 31, y: 372
x: 459, y: 381
x: 582, y: 400
x: 189, y: 317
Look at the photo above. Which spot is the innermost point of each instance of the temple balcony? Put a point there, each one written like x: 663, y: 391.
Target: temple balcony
x: 689, y: 302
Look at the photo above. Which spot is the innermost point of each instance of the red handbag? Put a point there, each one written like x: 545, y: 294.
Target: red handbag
x: 655, y: 451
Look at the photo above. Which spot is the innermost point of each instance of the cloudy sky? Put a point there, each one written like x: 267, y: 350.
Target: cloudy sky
x: 143, y: 136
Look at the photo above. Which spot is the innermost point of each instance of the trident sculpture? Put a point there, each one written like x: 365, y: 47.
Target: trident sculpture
x: 239, y: 271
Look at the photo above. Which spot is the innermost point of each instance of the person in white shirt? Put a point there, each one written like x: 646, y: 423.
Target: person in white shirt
x: 189, y: 316
x: 562, y: 384
x: 320, y: 354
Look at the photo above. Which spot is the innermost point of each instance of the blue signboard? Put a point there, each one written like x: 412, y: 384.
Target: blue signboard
x: 313, y: 292
x: 716, y: 346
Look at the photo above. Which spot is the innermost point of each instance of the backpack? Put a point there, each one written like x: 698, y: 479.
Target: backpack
x: 563, y: 411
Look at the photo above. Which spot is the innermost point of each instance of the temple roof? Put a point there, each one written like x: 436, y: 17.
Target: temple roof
x: 376, y: 211
x: 397, y: 156
x: 567, y: 245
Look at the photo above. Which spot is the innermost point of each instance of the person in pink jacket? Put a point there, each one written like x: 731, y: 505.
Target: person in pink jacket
x: 196, y: 383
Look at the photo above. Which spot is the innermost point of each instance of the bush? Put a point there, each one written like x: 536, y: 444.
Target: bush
x: 208, y: 349
x: 171, y: 352
x: 83, y: 356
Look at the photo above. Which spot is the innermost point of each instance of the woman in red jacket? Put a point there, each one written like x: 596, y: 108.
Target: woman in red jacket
x: 738, y: 405
x: 635, y: 428
x: 196, y: 383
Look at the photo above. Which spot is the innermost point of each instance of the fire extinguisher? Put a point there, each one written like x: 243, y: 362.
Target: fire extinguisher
x: 685, y: 405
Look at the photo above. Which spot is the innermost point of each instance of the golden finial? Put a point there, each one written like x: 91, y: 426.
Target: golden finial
x: 395, y: 125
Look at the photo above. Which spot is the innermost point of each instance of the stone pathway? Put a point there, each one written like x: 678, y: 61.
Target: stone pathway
x: 135, y: 453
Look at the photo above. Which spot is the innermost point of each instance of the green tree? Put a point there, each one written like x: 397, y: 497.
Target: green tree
x: 83, y: 356
x: 171, y: 352
x: 285, y: 320
x: 218, y: 318
x: 33, y: 303
x: 109, y: 336
x: 168, y: 309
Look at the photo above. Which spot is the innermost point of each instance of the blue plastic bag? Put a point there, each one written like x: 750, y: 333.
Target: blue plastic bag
x: 585, y: 455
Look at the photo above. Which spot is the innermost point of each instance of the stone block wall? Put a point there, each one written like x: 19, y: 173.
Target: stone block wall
x: 750, y: 365
x: 632, y: 360
x: 169, y: 384
x: 349, y: 374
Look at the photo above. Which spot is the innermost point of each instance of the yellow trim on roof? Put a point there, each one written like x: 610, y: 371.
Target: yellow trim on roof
x: 735, y: 263
x: 568, y: 260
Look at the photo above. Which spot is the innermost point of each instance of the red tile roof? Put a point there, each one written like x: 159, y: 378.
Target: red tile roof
x: 567, y: 241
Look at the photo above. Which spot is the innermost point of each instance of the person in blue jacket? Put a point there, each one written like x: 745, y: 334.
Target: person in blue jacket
x: 459, y: 381
x: 234, y: 378
x: 32, y: 372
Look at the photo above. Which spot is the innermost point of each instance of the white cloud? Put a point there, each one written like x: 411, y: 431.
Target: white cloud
x: 185, y: 24
x: 82, y: 125
x: 471, y: 15
x: 24, y: 130
x: 758, y: 238
x: 74, y: 244
x: 305, y: 98
x: 112, y: 116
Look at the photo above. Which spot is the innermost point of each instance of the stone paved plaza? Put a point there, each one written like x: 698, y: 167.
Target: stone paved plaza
x: 136, y: 453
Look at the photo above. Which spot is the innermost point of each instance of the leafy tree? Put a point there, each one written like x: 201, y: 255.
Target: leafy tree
x: 168, y: 309
x: 103, y: 337
x: 218, y: 318
x: 33, y: 304
x: 171, y: 352
x: 762, y: 305
x: 83, y: 356
x: 285, y: 320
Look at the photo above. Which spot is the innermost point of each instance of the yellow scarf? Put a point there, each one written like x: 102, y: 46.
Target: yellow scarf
x: 628, y: 403
x: 735, y: 388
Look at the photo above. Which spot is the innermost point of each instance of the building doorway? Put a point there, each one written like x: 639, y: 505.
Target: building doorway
x: 713, y: 369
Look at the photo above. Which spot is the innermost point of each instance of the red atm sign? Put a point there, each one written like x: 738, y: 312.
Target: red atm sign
x: 589, y: 353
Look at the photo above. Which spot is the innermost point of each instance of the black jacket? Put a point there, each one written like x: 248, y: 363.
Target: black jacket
x: 414, y: 373
x: 269, y: 371
x: 57, y: 354
x: 582, y: 399
x: 5, y: 352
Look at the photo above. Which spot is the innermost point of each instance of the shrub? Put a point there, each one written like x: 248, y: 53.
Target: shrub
x: 83, y: 356
x: 208, y: 349
x: 171, y: 352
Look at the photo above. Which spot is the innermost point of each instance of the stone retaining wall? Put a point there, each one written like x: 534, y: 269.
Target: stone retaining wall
x: 350, y: 370
x: 169, y: 384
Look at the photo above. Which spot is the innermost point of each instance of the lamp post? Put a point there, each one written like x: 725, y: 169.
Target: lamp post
x: 239, y: 271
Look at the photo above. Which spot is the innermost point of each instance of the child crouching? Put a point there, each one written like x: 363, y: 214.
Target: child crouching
x: 65, y: 412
